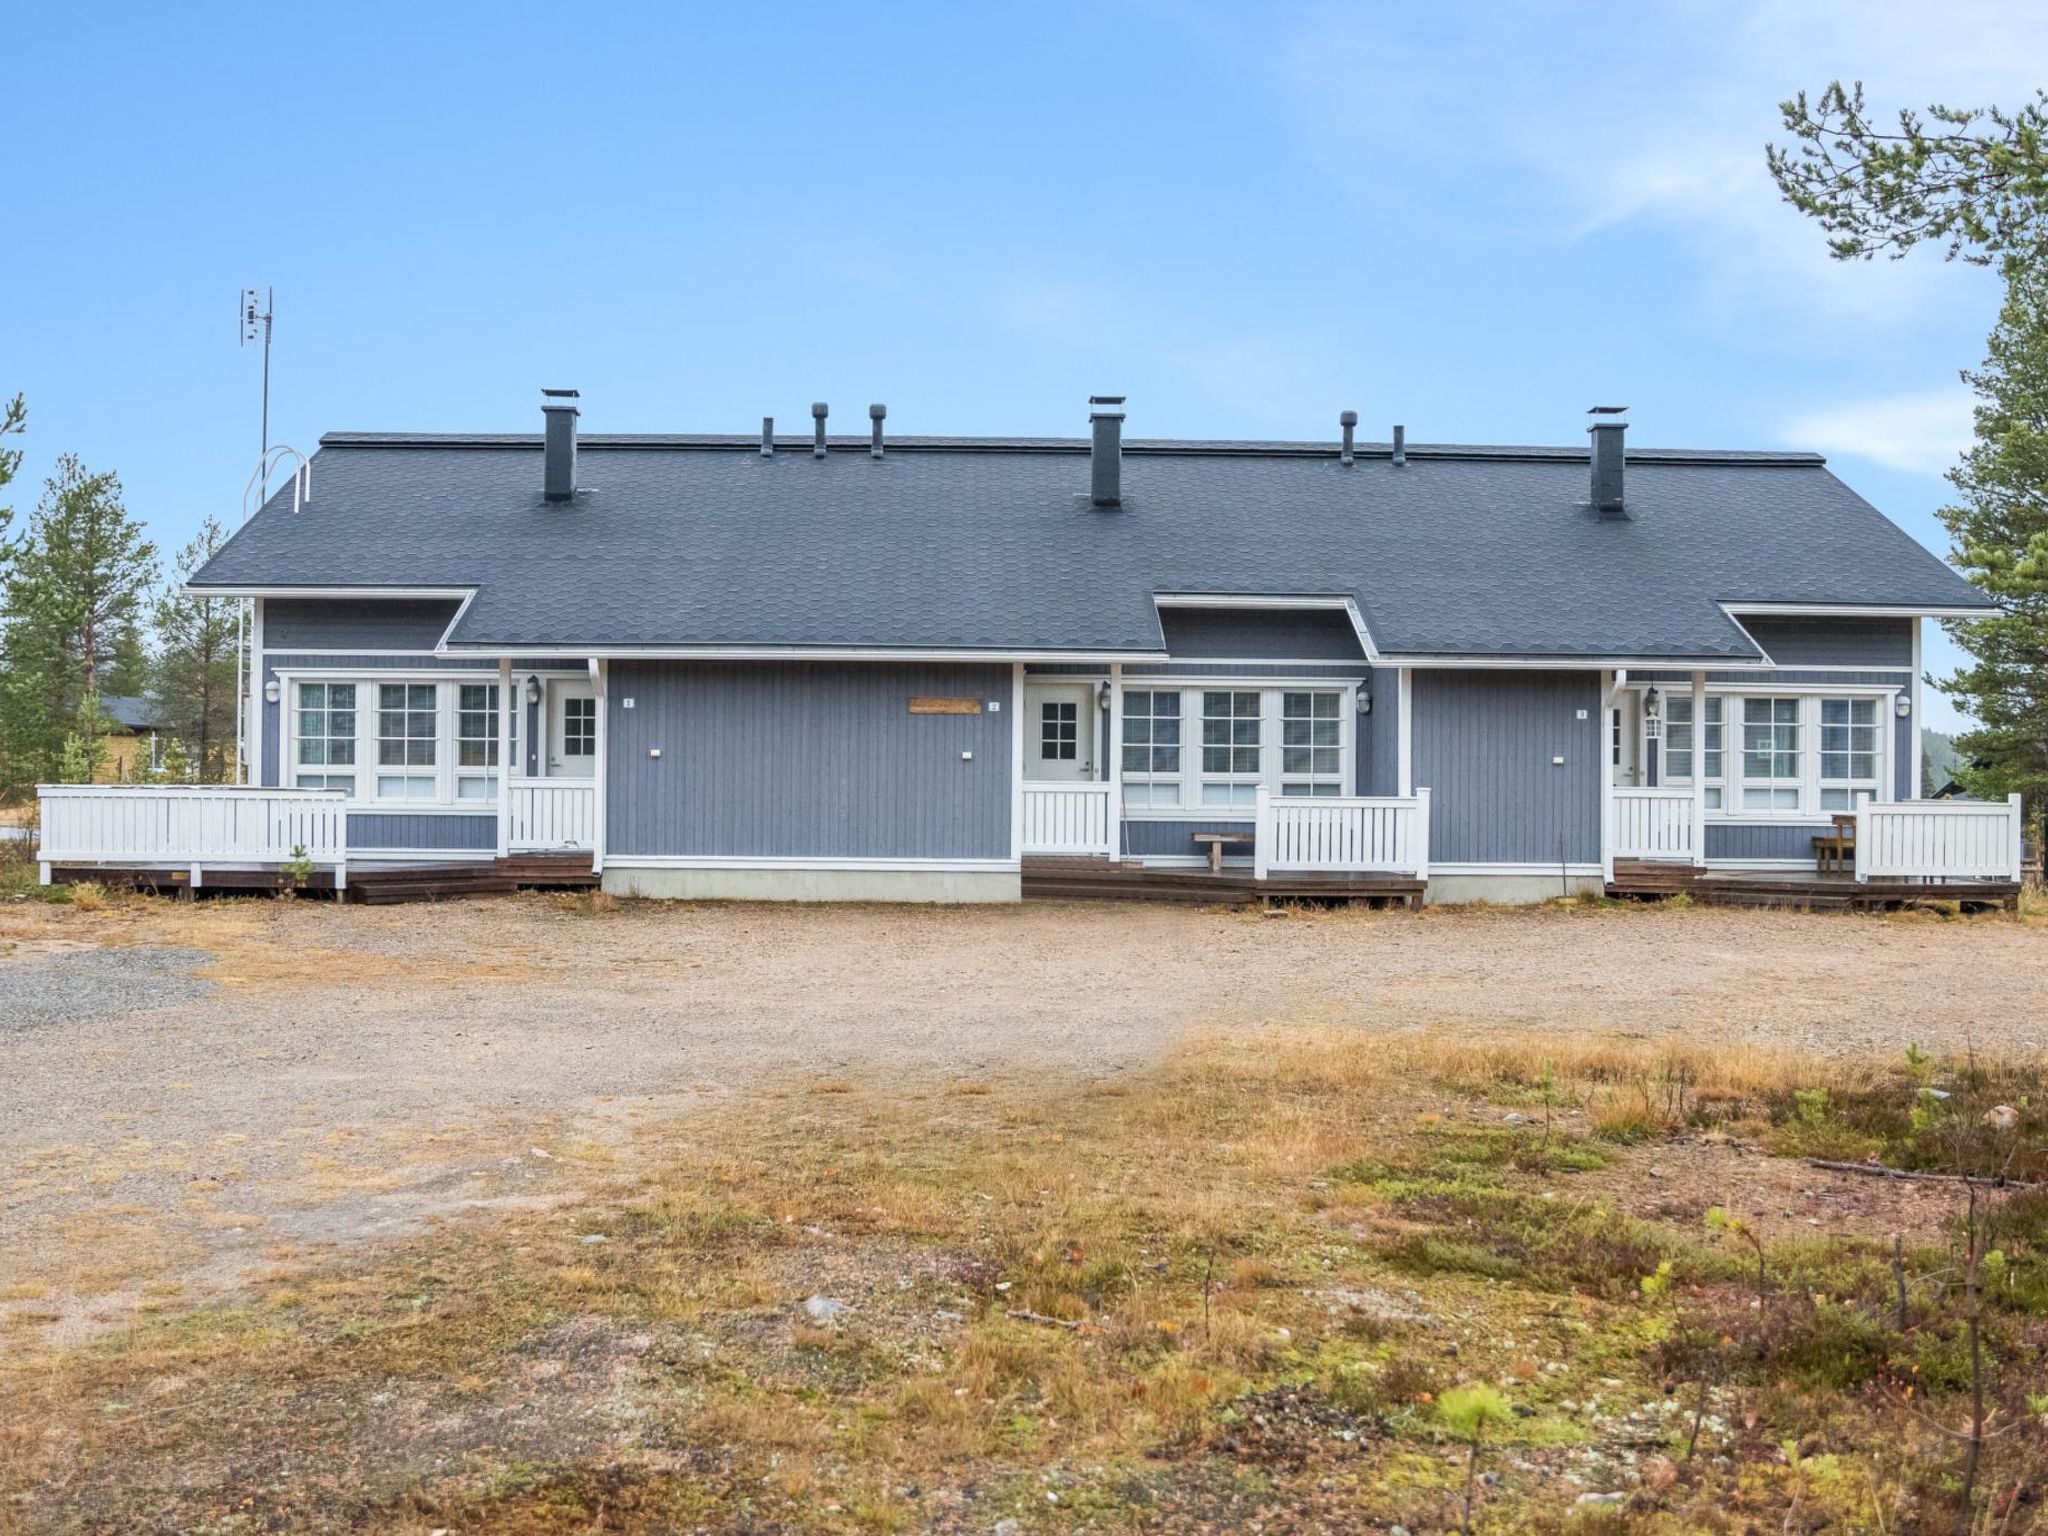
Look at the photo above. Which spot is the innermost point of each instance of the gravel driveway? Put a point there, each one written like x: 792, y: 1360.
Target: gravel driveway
x: 189, y: 1091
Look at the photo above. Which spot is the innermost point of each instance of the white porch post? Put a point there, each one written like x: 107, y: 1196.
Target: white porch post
x: 1605, y: 738
x: 1404, y: 731
x: 1913, y: 697
x: 506, y: 704
x: 600, y: 677
x: 251, y: 772
x: 1017, y: 760
x: 1699, y: 768
x: 1113, y: 754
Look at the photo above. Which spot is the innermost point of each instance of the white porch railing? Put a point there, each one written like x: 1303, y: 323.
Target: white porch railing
x: 1938, y: 839
x: 1655, y: 824
x: 1070, y: 818
x: 191, y: 825
x: 551, y: 813
x: 1342, y: 836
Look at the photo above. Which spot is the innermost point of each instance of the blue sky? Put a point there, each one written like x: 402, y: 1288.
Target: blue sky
x: 1474, y: 219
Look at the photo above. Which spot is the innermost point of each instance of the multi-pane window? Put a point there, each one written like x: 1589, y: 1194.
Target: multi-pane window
x: 1848, y: 752
x: 1230, y: 747
x: 326, y: 736
x: 1151, y: 747
x: 1770, y: 755
x: 476, y: 741
x: 1311, y: 743
x: 407, y: 728
x: 1679, y: 744
x: 1059, y: 730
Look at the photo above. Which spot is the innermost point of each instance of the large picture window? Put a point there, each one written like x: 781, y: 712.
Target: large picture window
x: 1848, y: 752
x: 1231, y: 727
x: 1311, y: 743
x: 476, y: 741
x: 1151, y: 747
x: 326, y: 737
x: 1206, y: 752
x: 1770, y: 755
x: 1680, y: 742
x: 408, y: 731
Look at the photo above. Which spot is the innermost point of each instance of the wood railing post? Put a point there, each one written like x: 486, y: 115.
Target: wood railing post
x: 1422, y: 834
x: 1262, y: 832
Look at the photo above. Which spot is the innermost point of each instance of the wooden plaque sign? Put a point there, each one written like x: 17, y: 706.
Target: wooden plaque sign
x: 934, y: 706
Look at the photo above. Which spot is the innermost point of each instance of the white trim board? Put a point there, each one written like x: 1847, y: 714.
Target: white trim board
x: 995, y: 656
x: 1854, y: 611
x: 780, y: 862
x: 370, y: 594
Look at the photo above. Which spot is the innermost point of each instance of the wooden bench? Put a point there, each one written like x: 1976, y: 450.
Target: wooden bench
x: 1835, y: 852
x: 1215, y: 842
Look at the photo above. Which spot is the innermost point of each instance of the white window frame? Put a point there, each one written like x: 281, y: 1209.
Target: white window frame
x: 1187, y: 803
x: 1810, y: 784
x: 433, y: 773
x: 486, y: 773
x: 1154, y: 786
x: 1715, y: 788
x: 447, y: 772
x: 1313, y: 785
x: 1850, y: 788
x: 293, y: 703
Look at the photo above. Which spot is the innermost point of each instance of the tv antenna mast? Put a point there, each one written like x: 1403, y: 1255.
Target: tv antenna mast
x: 257, y: 311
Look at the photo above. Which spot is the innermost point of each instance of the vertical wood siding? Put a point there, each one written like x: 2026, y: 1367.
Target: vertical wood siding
x: 1800, y: 642
x: 1250, y: 634
x: 328, y: 624
x: 421, y: 830
x: 806, y: 759
x: 1483, y: 745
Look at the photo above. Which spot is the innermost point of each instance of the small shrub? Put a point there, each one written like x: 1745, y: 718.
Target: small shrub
x: 88, y: 895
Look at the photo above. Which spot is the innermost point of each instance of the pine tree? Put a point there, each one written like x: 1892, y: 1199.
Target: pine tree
x: 2000, y: 529
x: 72, y: 605
x: 13, y: 418
x: 194, y: 673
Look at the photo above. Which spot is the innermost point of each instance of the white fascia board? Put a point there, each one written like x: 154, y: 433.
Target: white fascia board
x: 1578, y: 663
x: 791, y: 653
x: 366, y: 593
x: 1856, y: 611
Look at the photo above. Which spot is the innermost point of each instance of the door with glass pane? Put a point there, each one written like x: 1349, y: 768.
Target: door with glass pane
x: 572, y: 730
x: 1059, y: 726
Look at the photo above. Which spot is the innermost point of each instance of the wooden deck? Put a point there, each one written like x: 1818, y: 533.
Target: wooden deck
x: 1096, y: 879
x: 377, y: 884
x: 1803, y: 890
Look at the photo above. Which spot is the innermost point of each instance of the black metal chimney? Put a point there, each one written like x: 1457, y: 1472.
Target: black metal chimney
x: 1348, y: 420
x: 767, y: 437
x: 875, y: 415
x: 1400, y: 445
x: 1607, y: 426
x: 558, y: 450
x: 818, y: 411
x: 1106, y: 456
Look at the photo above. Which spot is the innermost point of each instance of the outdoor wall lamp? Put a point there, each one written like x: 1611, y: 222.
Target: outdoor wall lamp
x: 271, y: 691
x: 1902, y: 706
x: 1365, y: 701
x: 533, y: 690
x: 1102, y: 695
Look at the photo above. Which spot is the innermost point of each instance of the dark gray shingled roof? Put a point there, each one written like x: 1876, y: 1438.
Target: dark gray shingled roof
x: 991, y: 544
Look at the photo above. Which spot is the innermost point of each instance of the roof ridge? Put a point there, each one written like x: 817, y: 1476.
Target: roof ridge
x: 1157, y: 446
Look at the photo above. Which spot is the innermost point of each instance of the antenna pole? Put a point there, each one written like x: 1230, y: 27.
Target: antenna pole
x: 251, y: 319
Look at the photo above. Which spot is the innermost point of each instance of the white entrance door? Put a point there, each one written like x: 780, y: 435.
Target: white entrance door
x: 572, y: 730
x: 1059, y: 727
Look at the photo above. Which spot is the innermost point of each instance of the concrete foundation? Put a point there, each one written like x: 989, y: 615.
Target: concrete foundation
x: 1507, y: 890
x: 785, y: 884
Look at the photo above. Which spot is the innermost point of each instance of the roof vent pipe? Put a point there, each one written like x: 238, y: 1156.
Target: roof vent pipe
x: 1400, y: 445
x: 818, y: 410
x: 558, y: 444
x: 1607, y: 426
x: 1106, y: 455
x: 1348, y: 420
x: 875, y: 415
x: 767, y: 437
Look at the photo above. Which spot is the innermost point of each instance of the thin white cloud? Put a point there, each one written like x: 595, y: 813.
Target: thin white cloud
x: 1919, y: 433
x: 1656, y: 116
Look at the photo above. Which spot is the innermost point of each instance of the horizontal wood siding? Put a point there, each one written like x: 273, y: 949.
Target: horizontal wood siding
x: 421, y: 830
x: 1799, y: 642
x: 335, y: 624
x: 1161, y: 839
x: 806, y: 759
x: 1764, y: 839
x: 1483, y: 745
x: 1247, y: 634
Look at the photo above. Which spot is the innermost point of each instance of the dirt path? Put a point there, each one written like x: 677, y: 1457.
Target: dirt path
x: 189, y: 1093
